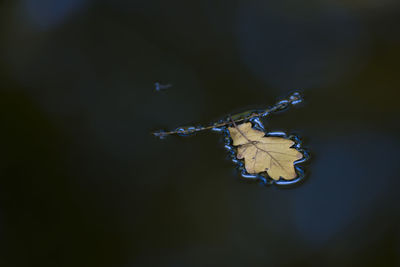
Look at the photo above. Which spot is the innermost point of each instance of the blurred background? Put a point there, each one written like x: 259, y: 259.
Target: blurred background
x: 83, y: 183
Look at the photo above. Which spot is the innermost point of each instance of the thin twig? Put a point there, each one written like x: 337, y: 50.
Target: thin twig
x: 292, y: 99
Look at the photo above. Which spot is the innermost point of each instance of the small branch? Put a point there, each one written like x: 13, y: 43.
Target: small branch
x: 293, y: 99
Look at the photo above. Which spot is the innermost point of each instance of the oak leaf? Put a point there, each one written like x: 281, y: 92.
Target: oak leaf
x: 273, y: 155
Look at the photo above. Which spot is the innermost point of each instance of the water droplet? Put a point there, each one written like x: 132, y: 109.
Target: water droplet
x: 248, y: 176
x: 277, y: 134
x: 258, y: 124
x: 185, y: 131
x: 228, y: 147
x: 216, y: 129
x: 296, y: 98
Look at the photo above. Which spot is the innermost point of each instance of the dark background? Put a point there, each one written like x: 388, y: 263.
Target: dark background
x: 83, y: 183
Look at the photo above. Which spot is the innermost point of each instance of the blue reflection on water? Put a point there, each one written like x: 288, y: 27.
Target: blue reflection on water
x: 47, y: 14
x: 350, y: 177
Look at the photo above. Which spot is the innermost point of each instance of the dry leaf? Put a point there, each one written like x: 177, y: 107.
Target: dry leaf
x: 273, y: 155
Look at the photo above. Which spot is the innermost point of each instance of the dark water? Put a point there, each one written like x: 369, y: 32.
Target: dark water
x: 84, y: 183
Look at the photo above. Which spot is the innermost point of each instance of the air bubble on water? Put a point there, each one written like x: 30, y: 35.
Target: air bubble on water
x: 185, y: 131
x: 276, y: 134
x: 236, y: 161
x: 216, y: 129
x: 248, y: 176
x: 296, y: 98
x: 228, y: 147
x: 258, y: 124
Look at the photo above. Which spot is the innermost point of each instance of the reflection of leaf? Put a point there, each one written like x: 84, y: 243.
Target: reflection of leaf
x: 273, y: 155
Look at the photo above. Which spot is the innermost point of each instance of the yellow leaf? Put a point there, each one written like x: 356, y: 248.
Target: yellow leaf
x: 273, y: 155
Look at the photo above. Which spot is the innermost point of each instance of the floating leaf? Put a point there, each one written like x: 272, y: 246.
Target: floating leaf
x: 273, y: 155
x: 267, y: 159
